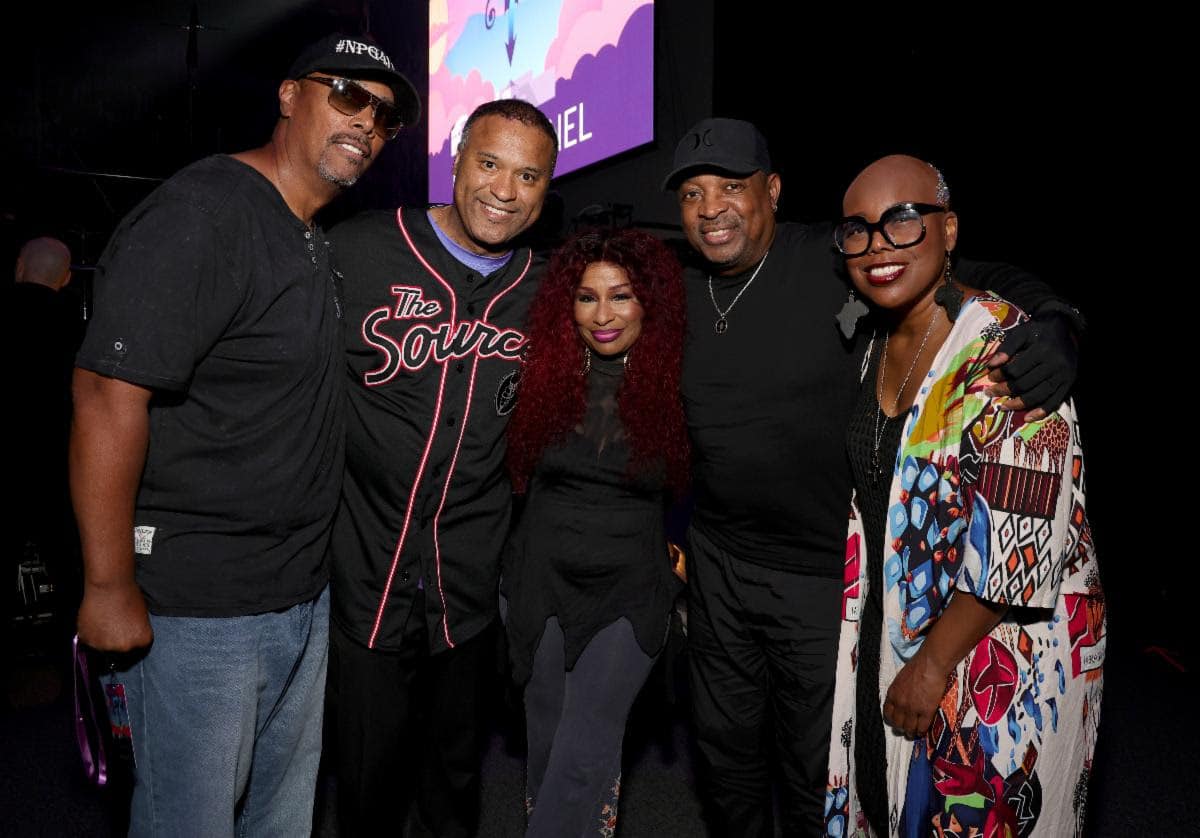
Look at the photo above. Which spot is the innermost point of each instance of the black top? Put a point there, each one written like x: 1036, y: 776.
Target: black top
x: 432, y: 351
x: 872, y: 485
x: 766, y: 405
x: 590, y: 547
x: 872, y: 473
x: 768, y: 400
x: 212, y: 293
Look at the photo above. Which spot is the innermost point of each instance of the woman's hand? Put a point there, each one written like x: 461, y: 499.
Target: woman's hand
x: 914, y: 695
x: 918, y: 687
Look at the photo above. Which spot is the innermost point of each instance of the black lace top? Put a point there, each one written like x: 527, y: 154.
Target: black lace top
x: 872, y: 485
x: 590, y: 545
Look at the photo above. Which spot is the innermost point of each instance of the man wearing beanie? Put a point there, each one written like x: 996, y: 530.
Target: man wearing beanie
x: 207, y: 455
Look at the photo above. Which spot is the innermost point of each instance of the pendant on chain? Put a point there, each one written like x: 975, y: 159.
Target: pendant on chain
x: 722, y: 323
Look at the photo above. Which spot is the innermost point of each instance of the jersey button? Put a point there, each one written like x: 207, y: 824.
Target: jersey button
x: 404, y: 576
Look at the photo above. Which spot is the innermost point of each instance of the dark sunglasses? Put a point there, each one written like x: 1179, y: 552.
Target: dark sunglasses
x: 901, y: 226
x: 350, y: 98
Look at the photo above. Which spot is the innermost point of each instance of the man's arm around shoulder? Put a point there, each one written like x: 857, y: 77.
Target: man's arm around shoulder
x: 109, y: 435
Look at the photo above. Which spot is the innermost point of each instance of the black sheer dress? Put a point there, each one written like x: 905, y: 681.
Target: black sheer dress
x: 590, y: 546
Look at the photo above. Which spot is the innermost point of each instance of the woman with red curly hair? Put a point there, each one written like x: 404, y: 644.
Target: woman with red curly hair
x: 598, y: 442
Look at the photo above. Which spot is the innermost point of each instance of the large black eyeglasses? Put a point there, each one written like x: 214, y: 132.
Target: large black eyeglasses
x: 901, y: 226
x: 350, y: 98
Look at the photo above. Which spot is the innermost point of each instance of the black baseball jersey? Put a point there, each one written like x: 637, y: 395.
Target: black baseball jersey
x: 433, y: 353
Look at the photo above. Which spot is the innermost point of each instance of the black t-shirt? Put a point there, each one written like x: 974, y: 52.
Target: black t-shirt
x: 213, y: 294
x: 433, y: 349
x: 769, y: 400
x: 766, y: 405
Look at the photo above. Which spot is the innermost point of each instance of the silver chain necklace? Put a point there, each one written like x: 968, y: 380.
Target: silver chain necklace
x: 722, y: 323
x: 876, y: 465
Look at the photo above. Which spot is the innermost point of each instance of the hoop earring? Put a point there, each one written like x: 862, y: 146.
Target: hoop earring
x: 587, y: 361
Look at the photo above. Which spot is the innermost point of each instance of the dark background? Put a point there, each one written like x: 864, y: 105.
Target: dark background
x: 1051, y: 135
x: 1030, y: 119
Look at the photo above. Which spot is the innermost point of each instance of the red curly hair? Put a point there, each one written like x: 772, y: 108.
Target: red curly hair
x: 553, y: 390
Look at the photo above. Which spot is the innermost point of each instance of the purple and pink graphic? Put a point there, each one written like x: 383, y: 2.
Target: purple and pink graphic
x: 588, y: 64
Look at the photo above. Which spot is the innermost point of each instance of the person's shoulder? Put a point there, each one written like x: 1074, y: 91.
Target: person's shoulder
x: 366, y: 225
x: 980, y: 326
x: 220, y: 170
x: 693, y: 263
x: 216, y: 193
x: 539, y: 260
x: 184, y: 208
x: 806, y: 249
x: 209, y: 184
x: 814, y: 235
x: 992, y: 311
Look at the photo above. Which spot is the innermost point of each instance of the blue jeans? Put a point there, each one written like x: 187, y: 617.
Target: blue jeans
x: 226, y: 719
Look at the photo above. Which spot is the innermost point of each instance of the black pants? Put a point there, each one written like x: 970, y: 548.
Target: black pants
x: 762, y: 648
x: 409, y: 734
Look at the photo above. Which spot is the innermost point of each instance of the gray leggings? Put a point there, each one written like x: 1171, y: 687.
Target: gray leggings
x: 576, y: 723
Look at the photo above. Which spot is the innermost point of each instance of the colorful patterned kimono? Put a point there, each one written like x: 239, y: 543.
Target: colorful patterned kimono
x: 983, y: 501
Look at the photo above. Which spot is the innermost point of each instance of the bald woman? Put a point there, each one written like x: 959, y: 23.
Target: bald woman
x: 973, y: 622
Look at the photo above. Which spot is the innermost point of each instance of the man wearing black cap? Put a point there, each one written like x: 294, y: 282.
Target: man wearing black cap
x: 768, y: 384
x: 207, y: 456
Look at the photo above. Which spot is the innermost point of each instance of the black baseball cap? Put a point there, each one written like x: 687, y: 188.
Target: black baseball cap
x: 358, y: 58
x: 733, y: 146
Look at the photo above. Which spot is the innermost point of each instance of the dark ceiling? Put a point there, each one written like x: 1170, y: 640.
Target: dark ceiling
x: 1014, y: 109
x: 120, y: 95
x: 1031, y: 118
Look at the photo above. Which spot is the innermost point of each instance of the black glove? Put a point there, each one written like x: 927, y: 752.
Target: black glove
x: 1043, y: 360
